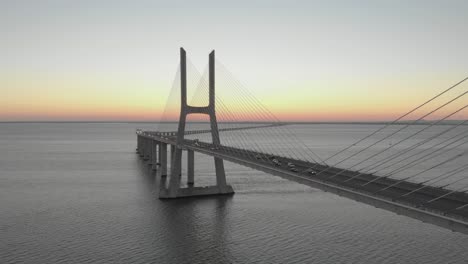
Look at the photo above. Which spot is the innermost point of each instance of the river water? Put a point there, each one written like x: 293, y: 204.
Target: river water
x: 78, y: 193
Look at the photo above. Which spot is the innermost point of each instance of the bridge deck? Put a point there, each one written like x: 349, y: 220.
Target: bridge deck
x: 442, y: 211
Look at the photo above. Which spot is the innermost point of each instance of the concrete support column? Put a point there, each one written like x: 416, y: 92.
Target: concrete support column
x: 140, y: 149
x: 148, y: 153
x: 143, y: 147
x: 147, y: 149
x: 163, y: 158
x: 155, y: 155
x: 158, y: 150
x: 150, y: 161
x: 172, y: 154
x: 154, y: 159
x: 174, y: 158
x: 140, y: 146
x: 190, y: 167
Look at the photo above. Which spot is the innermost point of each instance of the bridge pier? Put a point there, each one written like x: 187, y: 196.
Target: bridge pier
x: 150, y: 151
x: 163, y: 158
x: 154, y: 155
x: 174, y: 190
x: 147, y: 149
x: 172, y: 153
x: 152, y: 147
x: 178, y: 162
x: 190, y: 167
x: 142, y: 152
x: 140, y: 144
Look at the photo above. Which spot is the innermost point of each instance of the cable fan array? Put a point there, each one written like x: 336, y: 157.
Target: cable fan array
x: 427, y: 145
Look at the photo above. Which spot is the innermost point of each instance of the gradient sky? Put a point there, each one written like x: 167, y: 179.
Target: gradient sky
x: 305, y: 60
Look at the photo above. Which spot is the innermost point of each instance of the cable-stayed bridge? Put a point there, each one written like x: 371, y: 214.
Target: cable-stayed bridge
x: 418, y: 171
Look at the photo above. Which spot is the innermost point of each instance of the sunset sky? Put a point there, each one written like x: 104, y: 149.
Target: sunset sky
x: 304, y: 60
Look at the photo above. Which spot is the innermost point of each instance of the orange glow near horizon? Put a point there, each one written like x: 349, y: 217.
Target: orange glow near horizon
x: 73, y: 98
x: 135, y: 113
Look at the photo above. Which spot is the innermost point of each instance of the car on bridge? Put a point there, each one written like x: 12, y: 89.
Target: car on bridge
x: 276, y: 162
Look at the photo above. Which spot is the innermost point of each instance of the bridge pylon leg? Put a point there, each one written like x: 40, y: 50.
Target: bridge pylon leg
x: 174, y: 190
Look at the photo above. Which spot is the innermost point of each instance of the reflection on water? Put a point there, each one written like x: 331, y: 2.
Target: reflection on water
x: 78, y: 193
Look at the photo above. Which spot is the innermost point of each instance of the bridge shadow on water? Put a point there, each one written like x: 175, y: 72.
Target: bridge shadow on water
x: 187, y: 230
x: 199, y: 229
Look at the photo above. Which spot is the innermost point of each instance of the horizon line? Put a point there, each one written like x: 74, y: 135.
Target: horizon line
x: 444, y: 122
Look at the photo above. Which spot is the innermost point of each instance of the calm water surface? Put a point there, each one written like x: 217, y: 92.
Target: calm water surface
x: 78, y: 193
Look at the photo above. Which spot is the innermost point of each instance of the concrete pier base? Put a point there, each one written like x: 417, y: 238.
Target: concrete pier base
x: 196, y: 191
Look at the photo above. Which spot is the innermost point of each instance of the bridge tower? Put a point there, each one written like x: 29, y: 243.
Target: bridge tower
x: 174, y: 189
